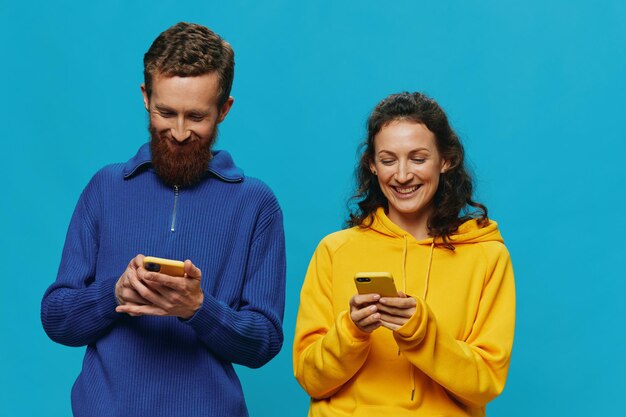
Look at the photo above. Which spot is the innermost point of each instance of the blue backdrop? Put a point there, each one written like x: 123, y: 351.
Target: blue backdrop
x: 535, y: 89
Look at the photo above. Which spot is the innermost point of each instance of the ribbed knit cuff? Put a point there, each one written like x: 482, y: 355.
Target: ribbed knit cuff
x: 203, y: 321
x: 106, y: 294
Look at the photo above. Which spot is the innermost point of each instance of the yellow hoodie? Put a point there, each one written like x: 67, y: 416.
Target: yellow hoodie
x: 450, y: 359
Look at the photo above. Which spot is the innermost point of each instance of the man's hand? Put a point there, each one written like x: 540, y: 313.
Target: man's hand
x: 126, y: 287
x: 166, y: 295
x: 364, y: 312
x: 395, y: 311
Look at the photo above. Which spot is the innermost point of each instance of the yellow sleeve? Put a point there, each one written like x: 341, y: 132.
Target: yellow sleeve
x: 327, y: 350
x: 473, y: 370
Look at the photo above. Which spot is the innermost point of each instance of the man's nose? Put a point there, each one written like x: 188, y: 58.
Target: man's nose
x: 179, y: 132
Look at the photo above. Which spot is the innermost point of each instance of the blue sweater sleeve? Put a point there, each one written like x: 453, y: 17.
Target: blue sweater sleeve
x: 252, y: 334
x: 76, y: 310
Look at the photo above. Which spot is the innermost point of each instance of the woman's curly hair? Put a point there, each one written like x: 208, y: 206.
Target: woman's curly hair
x: 452, y: 203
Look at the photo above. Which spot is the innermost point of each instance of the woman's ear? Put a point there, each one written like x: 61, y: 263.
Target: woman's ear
x: 445, y: 166
x: 373, y: 168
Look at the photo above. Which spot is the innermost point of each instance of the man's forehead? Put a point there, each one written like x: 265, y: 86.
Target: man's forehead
x: 195, y: 91
x: 208, y: 77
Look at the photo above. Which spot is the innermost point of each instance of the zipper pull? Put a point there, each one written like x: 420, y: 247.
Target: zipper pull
x: 176, y: 192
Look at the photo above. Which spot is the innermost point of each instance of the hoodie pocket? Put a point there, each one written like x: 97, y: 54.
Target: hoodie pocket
x: 383, y: 411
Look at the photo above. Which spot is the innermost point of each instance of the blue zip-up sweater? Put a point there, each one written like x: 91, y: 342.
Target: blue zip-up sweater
x: 230, y: 226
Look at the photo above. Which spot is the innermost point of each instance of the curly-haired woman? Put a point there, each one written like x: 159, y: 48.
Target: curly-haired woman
x: 441, y: 347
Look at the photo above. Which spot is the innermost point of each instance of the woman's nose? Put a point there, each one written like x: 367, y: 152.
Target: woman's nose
x: 403, y: 174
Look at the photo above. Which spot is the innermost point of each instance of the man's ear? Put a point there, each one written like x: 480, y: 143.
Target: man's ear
x: 225, y: 109
x: 146, y: 99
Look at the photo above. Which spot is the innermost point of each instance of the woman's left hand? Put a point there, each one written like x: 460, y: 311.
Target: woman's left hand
x: 395, y: 311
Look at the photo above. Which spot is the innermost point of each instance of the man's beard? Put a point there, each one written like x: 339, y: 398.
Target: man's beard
x: 186, y: 164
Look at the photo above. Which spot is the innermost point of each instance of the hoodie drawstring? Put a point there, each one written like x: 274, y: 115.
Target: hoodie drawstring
x: 405, y: 245
x: 404, y: 250
x: 430, y: 262
x: 426, y: 281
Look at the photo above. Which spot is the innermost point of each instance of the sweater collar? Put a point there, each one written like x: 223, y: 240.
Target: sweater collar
x: 221, y: 165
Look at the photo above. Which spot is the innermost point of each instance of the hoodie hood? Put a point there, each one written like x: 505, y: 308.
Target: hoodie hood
x: 468, y: 232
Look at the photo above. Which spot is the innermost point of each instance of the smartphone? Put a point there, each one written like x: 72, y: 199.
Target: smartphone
x: 375, y: 283
x: 164, y: 266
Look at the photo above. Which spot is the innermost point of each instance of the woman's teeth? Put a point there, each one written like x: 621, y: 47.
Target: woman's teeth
x: 406, y: 190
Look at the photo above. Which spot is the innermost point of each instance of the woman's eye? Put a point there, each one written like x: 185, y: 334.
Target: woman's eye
x: 386, y: 161
x: 419, y: 160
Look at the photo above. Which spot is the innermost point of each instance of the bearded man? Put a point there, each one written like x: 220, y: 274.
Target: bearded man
x: 160, y: 345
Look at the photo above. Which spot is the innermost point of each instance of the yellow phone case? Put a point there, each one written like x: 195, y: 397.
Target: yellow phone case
x: 164, y: 266
x: 375, y: 283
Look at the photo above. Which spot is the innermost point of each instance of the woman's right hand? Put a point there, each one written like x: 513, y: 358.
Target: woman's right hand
x: 364, y: 312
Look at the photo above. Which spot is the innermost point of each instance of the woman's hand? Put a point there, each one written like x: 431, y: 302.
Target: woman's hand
x: 395, y: 311
x: 364, y: 312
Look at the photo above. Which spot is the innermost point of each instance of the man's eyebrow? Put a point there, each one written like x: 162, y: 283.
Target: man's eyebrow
x: 194, y: 112
x: 198, y: 112
x: 161, y: 107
